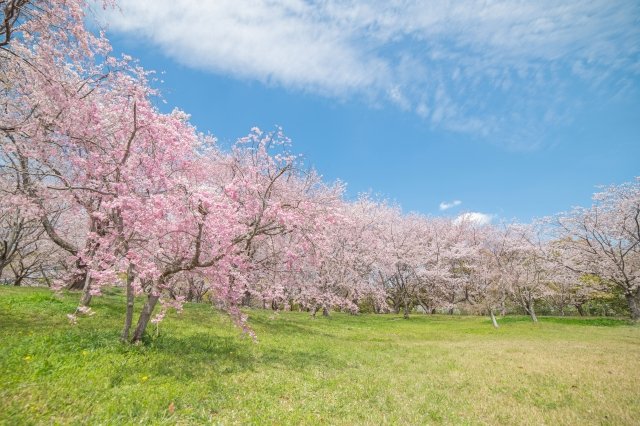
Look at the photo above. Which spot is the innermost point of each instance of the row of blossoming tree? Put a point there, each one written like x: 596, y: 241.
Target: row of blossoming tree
x: 99, y: 188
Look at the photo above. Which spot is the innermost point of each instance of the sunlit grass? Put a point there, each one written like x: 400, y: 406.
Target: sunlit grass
x: 341, y: 370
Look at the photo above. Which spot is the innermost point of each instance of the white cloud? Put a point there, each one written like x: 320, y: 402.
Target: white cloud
x: 446, y: 205
x: 481, y: 67
x: 291, y: 43
x: 475, y: 217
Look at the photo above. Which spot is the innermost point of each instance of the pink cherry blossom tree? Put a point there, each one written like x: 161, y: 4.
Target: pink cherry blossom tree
x: 604, y: 240
x: 524, y: 265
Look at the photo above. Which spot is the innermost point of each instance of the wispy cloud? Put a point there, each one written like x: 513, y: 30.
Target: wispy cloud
x: 446, y: 205
x: 475, y: 217
x: 497, y: 69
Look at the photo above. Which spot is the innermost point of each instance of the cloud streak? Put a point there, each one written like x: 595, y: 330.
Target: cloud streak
x: 496, y: 69
x: 446, y: 205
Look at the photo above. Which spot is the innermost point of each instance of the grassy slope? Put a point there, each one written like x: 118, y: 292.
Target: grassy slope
x: 341, y: 370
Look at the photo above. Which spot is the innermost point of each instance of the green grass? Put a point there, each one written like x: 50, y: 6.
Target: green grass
x: 341, y: 370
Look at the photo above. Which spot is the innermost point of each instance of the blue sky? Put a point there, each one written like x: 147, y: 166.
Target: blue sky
x: 514, y: 109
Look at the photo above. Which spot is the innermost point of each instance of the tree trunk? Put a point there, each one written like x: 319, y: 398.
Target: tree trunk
x: 79, y: 280
x: 313, y: 311
x: 580, y: 309
x: 325, y: 311
x: 396, y: 305
x: 128, y: 319
x: 424, y: 306
x: 190, y: 293
x: 144, y: 318
x: 634, y: 304
x: 246, y: 299
x: 45, y: 277
x: 493, y: 318
x: 86, y: 291
x: 532, y: 312
x: 406, y: 309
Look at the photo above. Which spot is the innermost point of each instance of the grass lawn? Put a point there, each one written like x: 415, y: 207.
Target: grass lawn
x: 344, y: 369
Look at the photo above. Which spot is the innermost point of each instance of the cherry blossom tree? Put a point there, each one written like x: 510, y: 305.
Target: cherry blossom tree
x: 523, y: 264
x: 157, y: 207
x: 290, y: 233
x: 101, y: 188
x: 31, y: 17
x: 12, y: 10
x: 476, y: 276
x: 339, y: 272
x: 604, y: 240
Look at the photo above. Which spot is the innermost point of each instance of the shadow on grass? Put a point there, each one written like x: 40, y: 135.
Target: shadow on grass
x: 301, y: 359
x: 184, y: 358
x: 284, y: 327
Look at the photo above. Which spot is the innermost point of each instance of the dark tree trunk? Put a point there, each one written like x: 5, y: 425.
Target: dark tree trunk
x: 86, y: 291
x: 246, y: 299
x: 128, y: 319
x: 424, y: 306
x: 144, y: 318
x: 78, y: 280
x: 633, y: 300
x: 406, y: 309
x: 325, y: 311
x: 580, y: 309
